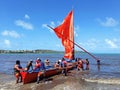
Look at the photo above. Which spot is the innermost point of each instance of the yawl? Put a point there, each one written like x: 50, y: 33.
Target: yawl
x: 65, y: 32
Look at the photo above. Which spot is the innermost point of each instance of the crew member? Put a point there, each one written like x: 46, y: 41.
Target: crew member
x: 64, y: 66
x: 17, y: 70
x: 80, y: 64
x: 41, y: 73
x: 29, y: 66
x: 87, y: 64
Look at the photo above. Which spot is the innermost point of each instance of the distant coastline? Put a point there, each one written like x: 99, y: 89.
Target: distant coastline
x: 32, y: 51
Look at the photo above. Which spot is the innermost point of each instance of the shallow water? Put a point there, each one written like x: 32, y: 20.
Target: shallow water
x: 74, y: 81
x: 107, y: 77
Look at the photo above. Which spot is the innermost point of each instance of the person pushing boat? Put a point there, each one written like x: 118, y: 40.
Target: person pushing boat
x: 41, y: 67
x: 37, y: 65
x: 29, y: 66
x: 57, y: 64
x: 17, y: 70
x: 80, y: 64
x: 64, y: 66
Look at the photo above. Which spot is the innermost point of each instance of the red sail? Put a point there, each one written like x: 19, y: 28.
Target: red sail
x: 65, y: 32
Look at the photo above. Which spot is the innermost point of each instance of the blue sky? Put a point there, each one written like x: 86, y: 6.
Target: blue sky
x: 96, y: 24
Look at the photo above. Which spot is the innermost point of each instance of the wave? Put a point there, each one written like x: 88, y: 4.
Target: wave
x: 104, y: 81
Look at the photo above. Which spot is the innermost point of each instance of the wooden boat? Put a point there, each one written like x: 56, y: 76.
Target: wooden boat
x: 67, y: 36
x: 32, y: 77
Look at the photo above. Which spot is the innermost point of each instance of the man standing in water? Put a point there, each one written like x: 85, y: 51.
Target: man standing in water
x: 17, y: 70
x: 64, y: 66
x: 80, y: 65
x: 87, y: 64
x: 98, y: 64
x: 41, y: 73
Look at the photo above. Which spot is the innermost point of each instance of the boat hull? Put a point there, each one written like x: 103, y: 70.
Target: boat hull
x: 32, y: 77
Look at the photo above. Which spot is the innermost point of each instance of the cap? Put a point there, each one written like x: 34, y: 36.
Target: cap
x: 38, y: 58
x: 59, y: 60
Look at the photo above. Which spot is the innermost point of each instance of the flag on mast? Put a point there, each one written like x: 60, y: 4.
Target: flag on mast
x: 65, y: 32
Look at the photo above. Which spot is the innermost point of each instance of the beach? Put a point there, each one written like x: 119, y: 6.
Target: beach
x: 76, y: 80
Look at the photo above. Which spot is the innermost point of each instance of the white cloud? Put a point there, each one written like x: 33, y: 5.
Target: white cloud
x: 111, y: 43
x: 7, y: 42
x: 26, y: 16
x: 44, y: 26
x: 108, y: 22
x: 75, y: 33
x: 76, y: 28
x: 92, y: 43
x: 23, y: 24
x: 52, y: 24
x: 10, y: 33
x: 59, y: 45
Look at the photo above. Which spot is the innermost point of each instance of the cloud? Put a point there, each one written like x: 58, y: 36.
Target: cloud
x: 76, y: 28
x: 7, y: 42
x: 52, y: 24
x: 108, y: 22
x: 92, y: 43
x: 45, y: 26
x: 13, y: 34
x: 59, y: 45
x: 23, y: 24
x: 111, y: 43
x: 26, y: 16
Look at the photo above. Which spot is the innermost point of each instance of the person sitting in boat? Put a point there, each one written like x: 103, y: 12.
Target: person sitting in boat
x: 29, y: 66
x: 87, y: 64
x: 57, y: 64
x: 64, y: 66
x: 47, y: 62
x: 80, y: 64
x: 17, y: 70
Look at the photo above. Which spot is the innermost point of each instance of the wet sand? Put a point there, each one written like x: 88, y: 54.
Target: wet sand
x: 74, y: 81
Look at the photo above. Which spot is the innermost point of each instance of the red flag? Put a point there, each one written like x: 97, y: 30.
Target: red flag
x: 65, y: 32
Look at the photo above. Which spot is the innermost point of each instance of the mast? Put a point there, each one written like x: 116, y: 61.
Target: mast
x: 73, y: 35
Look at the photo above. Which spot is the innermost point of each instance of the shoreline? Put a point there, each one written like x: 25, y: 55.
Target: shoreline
x: 74, y: 81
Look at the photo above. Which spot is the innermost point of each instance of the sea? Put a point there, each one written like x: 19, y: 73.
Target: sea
x: 108, y: 72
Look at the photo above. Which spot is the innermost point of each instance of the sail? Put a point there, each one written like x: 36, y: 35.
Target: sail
x: 65, y: 32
